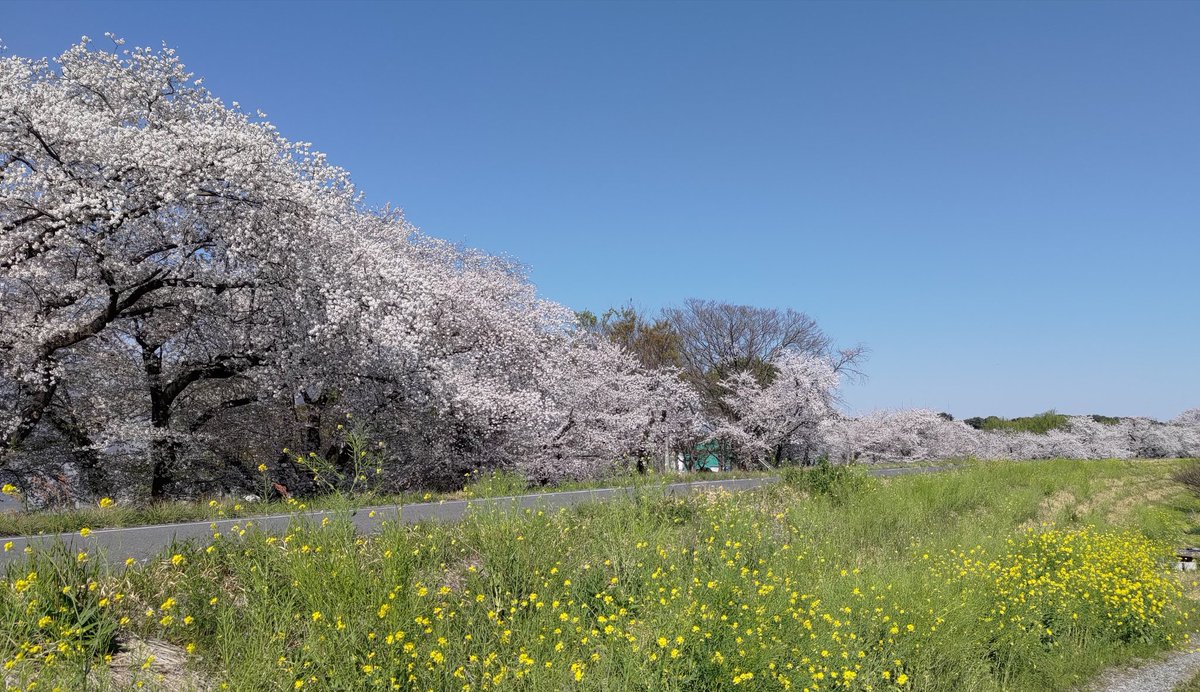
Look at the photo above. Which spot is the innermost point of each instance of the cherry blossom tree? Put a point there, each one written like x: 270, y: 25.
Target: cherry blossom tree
x: 603, y: 406
x: 903, y: 435
x: 921, y: 434
x: 767, y: 420
x: 1189, y: 418
x: 132, y: 199
x: 460, y: 365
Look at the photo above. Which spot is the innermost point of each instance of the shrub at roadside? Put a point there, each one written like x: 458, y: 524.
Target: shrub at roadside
x: 838, y: 481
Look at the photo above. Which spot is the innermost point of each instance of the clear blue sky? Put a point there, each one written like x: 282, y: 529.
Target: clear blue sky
x: 1001, y: 200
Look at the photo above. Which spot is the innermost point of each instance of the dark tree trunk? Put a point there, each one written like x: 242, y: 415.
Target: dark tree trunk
x: 162, y: 450
x: 163, y: 478
x: 311, y: 415
x: 31, y: 413
x: 93, y: 476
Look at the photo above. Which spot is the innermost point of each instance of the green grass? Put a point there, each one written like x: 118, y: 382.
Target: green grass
x: 894, y: 581
x: 496, y: 484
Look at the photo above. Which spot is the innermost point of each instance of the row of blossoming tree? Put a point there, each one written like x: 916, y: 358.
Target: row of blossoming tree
x: 184, y: 293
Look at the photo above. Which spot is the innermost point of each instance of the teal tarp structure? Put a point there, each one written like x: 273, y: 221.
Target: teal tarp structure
x: 704, y: 458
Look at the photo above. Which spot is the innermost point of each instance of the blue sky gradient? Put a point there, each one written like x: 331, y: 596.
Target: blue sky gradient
x: 1000, y: 199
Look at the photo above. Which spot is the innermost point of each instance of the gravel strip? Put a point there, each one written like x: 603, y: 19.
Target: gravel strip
x: 1158, y: 676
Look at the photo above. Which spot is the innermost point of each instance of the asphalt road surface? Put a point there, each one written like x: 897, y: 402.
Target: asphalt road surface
x: 146, y: 542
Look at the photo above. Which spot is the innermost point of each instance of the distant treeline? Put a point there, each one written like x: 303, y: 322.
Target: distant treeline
x: 1041, y: 423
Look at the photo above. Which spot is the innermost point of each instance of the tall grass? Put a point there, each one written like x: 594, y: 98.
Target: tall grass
x: 983, y: 578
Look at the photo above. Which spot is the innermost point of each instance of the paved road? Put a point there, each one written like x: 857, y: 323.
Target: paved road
x: 145, y: 542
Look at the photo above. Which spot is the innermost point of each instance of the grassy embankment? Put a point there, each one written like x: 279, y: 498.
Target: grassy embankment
x: 482, y: 486
x: 938, y: 582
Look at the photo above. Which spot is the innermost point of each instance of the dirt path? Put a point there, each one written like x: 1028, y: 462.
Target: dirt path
x: 1153, y: 676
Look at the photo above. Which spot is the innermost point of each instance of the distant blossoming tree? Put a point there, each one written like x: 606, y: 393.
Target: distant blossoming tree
x: 765, y: 421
